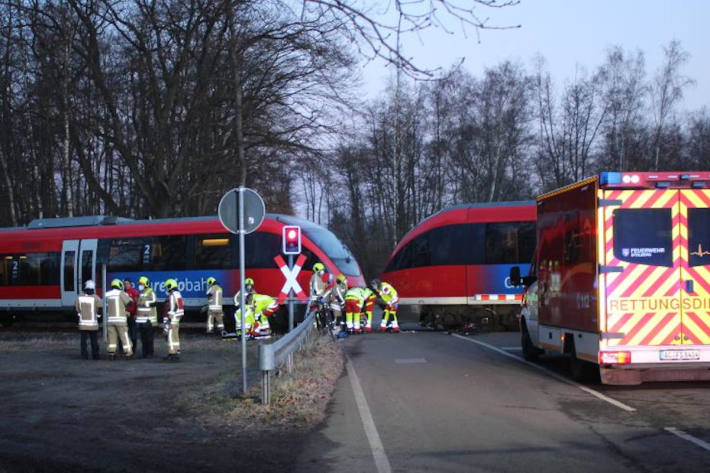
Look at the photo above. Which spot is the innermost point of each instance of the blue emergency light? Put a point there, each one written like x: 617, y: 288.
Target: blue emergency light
x: 607, y: 178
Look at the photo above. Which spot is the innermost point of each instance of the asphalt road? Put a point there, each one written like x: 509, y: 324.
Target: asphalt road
x: 428, y: 401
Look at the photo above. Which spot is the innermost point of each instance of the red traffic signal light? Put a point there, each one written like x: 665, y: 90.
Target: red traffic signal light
x: 291, y: 239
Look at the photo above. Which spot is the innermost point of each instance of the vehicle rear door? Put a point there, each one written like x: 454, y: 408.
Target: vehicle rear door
x: 641, y: 267
x: 695, y: 272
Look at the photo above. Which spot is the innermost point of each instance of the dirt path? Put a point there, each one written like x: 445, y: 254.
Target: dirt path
x: 61, y: 413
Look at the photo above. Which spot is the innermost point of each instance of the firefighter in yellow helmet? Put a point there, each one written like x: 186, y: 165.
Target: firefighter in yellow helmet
x: 318, y: 283
x: 215, y: 315
x: 147, y: 318
x: 87, y: 307
x: 116, y: 302
x: 389, y: 296
x: 248, y: 289
x: 174, y: 310
x: 335, y: 297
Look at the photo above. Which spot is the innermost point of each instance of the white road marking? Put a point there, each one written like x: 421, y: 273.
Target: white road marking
x: 378, y: 450
x: 688, y: 437
x: 591, y: 391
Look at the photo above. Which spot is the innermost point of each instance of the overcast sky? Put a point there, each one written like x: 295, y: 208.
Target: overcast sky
x: 570, y: 34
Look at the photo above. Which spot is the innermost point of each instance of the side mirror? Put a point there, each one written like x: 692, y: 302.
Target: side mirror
x: 515, y: 279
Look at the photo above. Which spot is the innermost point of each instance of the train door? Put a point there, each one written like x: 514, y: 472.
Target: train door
x: 87, y: 264
x: 67, y: 276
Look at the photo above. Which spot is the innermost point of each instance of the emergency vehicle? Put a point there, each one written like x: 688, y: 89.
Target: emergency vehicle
x: 620, y: 280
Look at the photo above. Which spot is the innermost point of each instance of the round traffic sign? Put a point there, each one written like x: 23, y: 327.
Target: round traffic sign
x: 254, y: 210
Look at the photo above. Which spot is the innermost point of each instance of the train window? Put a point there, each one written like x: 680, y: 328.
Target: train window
x: 87, y: 263
x: 334, y: 249
x: 214, y: 251
x: 168, y: 253
x: 261, y: 248
x: 509, y: 242
x: 129, y: 254
x: 421, y: 256
x: 69, y: 257
x: 453, y: 245
x: 30, y: 269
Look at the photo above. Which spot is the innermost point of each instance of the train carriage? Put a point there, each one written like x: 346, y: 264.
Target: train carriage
x: 44, y: 265
x: 452, y: 268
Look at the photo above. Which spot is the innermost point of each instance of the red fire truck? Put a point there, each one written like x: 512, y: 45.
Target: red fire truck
x: 620, y: 280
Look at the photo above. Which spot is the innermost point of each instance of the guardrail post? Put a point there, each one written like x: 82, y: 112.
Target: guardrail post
x: 265, y: 387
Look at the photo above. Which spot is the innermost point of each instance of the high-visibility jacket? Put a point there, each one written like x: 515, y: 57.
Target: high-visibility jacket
x: 147, y: 312
x: 388, y: 293
x: 87, y: 308
x: 261, y: 302
x: 116, y: 302
x: 214, y: 297
x: 318, y: 286
x: 355, y: 293
x: 175, y: 307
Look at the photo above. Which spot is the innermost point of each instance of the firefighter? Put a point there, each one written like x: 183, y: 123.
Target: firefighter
x: 263, y: 308
x: 147, y: 316
x: 369, y: 304
x: 248, y: 289
x: 248, y: 315
x: 174, y: 310
x: 132, y: 311
x: 318, y: 285
x: 335, y: 296
x: 116, y: 302
x: 354, y: 300
x: 87, y: 308
x: 215, y: 315
x: 389, y: 297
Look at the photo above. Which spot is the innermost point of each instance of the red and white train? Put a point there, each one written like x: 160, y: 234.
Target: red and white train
x: 44, y: 265
x: 453, y: 267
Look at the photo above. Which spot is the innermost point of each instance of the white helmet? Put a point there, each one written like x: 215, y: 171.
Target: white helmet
x: 89, y: 284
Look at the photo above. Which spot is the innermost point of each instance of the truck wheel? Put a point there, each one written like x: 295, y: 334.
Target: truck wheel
x: 582, y: 371
x: 530, y: 351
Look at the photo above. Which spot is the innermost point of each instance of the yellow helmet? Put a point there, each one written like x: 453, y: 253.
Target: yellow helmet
x: 211, y: 281
x: 341, y: 278
x: 117, y: 284
x: 143, y: 280
x: 318, y: 267
x: 170, y: 284
x: 248, y: 282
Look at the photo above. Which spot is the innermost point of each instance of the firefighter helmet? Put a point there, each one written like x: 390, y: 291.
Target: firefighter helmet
x: 117, y: 284
x: 143, y: 280
x: 248, y: 282
x: 318, y: 267
x: 171, y: 284
x: 341, y: 278
x: 211, y: 281
x: 89, y: 284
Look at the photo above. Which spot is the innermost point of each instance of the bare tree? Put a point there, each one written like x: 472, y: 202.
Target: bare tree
x: 666, y: 91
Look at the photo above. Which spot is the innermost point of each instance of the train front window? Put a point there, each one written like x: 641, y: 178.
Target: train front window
x: 334, y: 249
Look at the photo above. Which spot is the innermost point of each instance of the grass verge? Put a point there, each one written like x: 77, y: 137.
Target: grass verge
x: 298, y: 400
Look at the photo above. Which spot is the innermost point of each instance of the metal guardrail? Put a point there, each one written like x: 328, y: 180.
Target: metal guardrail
x: 275, y: 354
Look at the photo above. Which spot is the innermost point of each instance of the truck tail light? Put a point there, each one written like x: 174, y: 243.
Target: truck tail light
x: 614, y: 357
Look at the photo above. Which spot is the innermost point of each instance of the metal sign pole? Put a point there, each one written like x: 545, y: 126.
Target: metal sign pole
x: 290, y: 297
x: 103, y: 288
x: 241, y: 288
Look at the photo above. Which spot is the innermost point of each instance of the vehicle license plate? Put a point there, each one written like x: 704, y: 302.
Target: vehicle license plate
x: 671, y: 355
